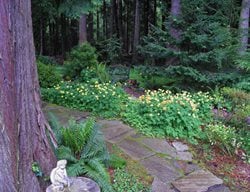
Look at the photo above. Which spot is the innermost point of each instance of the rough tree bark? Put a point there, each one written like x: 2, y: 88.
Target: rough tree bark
x: 114, y: 18
x: 136, y: 26
x: 83, y: 29
x: 90, y: 28
x: 175, y: 13
x: 23, y: 137
x: 244, y: 25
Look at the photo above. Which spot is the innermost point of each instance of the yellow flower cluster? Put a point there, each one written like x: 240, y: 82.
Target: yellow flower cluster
x: 97, y: 90
x: 162, y: 98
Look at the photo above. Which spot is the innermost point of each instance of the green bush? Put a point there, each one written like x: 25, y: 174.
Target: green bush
x: 150, y: 77
x: 47, y: 60
x: 104, y: 99
x: 110, y: 50
x: 244, y: 84
x: 161, y: 113
x: 124, y: 181
x: 243, y: 61
x: 237, y: 115
x: 222, y: 136
x: 116, y: 161
x: 47, y: 74
x: 96, y: 73
x: 83, y: 146
x: 178, y: 78
x: 240, y: 102
x: 119, y: 73
x: 79, y: 59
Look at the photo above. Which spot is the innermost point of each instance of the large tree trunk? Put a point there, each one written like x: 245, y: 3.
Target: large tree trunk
x: 175, y: 13
x: 244, y: 25
x: 119, y: 18
x: 23, y: 137
x: 83, y: 29
x: 136, y: 26
x: 114, y: 19
x: 97, y: 26
x: 90, y: 28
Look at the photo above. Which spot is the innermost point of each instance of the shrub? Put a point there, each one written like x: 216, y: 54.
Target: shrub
x: 243, y: 85
x: 83, y: 146
x: 124, y: 181
x: 161, y: 113
x: 119, y: 73
x: 88, y: 75
x: 96, y: 73
x: 110, y: 50
x: 104, y: 99
x: 222, y: 136
x: 243, y: 61
x: 78, y: 59
x: 47, y: 74
x: 150, y: 77
x: 240, y: 101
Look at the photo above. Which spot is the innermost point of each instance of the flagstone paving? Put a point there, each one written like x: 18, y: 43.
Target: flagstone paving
x: 170, y: 164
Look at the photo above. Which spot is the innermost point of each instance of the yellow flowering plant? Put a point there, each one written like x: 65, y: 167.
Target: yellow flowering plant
x: 162, y: 113
x: 103, y: 99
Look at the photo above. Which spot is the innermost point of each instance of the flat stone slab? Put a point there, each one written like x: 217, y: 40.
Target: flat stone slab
x: 185, y: 156
x: 64, y: 114
x: 186, y: 167
x: 135, y: 150
x: 179, y: 146
x: 219, y: 188
x: 160, y: 146
x: 115, y: 131
x: 159, y: 186
x: 79, y: 184
x: 109, y: 123
x: 164, y: 170
x: 197, y: 181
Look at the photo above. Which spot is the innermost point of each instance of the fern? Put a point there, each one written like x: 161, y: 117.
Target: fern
x: 76, y: 169
x: 63, y: 152
x: 56, y: 127
x: 84, y: 147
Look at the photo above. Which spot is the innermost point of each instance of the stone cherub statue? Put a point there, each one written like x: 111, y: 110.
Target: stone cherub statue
x: 62, y: 183
x: 59, y: 177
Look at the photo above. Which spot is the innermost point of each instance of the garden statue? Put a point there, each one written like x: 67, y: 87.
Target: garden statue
x: 62, y: 183
x: 59, y: 177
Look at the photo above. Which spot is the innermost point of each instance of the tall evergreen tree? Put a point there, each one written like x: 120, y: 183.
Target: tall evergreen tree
x: 23, y: 138
x: 244, y: 25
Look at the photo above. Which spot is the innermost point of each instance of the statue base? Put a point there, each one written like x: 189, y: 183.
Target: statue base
x: 79, y: 184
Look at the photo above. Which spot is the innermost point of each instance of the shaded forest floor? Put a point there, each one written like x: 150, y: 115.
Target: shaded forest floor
x: 234, y: 171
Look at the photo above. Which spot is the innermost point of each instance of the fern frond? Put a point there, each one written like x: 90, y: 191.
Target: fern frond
x: 96, y: 176
x: 56, y: 127
x: 75, y: 169
x: 99, y: 168
x: 63, y: 152
x: 96, y: 147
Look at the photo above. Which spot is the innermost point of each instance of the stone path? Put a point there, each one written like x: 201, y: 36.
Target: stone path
x: 170, y: 164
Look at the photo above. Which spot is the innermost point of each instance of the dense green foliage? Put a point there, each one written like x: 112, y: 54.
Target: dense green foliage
x: 83, y: 146
x: 179, y: 78
x: 161, y: 113
x: 124, y: 181
x: 79, y: 59
x: 239, y: 114
x: 104, y: 99
x: 110, y: 50
x: 205, y: 40
x: 222, y: 136
x: 48, y: 76
x: 97, y: 73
